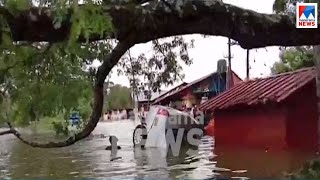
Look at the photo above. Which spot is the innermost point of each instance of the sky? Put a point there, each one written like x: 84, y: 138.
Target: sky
x: 207, y: 51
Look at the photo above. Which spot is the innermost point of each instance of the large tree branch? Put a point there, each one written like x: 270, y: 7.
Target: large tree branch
x: 110, y: 61
x: 210, y: 17
x: 10, y: 131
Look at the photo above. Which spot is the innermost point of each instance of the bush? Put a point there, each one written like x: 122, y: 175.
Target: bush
x: 310, y: 170
x: 60, y: 128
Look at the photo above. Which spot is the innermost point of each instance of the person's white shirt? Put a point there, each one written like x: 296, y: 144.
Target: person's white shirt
x: 105, y: 117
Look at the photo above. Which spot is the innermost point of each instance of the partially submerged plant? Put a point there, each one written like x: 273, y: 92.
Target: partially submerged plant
x: 311, y: 170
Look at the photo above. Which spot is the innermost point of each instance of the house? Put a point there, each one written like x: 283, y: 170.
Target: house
x: 167, y: 94
x: 146, y: 98
x: 277, y: 112
x: 194, y: 92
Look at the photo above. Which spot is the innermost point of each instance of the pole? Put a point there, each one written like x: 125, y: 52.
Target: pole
x: 316, y: 51
x: 229, y: 65
x: 247, y: 68
x: 229, y: 79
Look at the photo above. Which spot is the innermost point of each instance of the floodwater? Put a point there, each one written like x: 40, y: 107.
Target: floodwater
x: 88, y: 159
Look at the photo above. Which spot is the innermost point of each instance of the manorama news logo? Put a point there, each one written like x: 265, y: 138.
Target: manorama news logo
x: 307, y: 15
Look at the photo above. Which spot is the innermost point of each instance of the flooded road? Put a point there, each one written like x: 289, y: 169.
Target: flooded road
x: 88, y: 159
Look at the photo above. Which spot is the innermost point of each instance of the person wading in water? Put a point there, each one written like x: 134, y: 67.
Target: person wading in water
x: 113, y: 147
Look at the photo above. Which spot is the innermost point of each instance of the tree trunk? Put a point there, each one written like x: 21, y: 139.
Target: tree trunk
x: 135, y: 92
x: 317, y: 65
x: 10, y: 131
x: 106, y: 86
x: 136, y: 108
x: 249, y: 28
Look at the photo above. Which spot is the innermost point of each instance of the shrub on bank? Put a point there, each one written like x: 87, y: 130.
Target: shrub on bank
x: 311, y: 170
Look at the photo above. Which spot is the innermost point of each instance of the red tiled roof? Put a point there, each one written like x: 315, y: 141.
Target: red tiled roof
x: 272, y: 89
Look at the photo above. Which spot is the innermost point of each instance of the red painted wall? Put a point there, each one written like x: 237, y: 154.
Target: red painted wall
x: 302, y: 122
x: 291, y: 124
x: 262, y: 127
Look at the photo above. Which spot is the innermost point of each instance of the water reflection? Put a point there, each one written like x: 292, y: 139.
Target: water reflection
x: 89, y: 159
x: 151, y: 163
x: 260, y: 163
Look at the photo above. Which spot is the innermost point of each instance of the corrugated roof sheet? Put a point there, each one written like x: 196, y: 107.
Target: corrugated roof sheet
x: 180, y: 89
x: 203, y: 78
x: 168, y: 93
x: 272, y: 89
x: 154, y: 95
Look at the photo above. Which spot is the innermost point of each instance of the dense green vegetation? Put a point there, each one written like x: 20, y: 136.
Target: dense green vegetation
x: 119, y: 97
x: 41, y: 81
x: 293, y: 58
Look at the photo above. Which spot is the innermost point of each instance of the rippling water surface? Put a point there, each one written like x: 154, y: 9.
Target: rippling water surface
x: 89, y: 159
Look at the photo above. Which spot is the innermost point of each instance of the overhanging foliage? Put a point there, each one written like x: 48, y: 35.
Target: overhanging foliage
x: 143, y: 24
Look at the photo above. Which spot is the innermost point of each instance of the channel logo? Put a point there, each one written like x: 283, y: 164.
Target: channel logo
x: 307, y: 15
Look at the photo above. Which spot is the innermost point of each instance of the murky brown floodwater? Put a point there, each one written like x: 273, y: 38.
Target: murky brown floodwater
x: 89, y: 159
